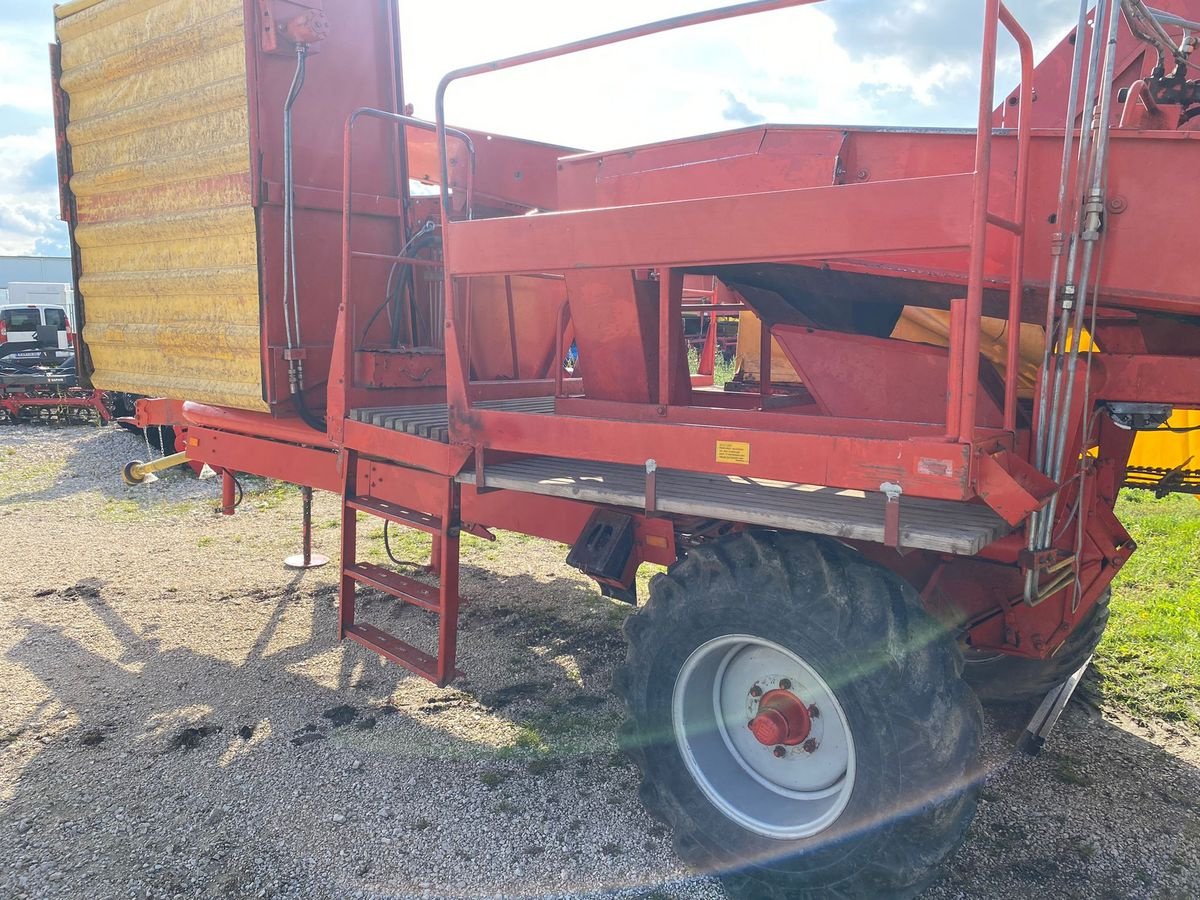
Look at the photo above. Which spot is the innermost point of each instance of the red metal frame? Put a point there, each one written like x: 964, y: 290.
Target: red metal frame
x: 927, y: 214
x: 14, y: 401
x: 890, y: 217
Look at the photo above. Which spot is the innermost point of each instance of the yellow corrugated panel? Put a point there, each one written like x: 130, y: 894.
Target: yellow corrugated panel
x: 160, y: 140
x: 1165, y: 450
x: 70, y: 8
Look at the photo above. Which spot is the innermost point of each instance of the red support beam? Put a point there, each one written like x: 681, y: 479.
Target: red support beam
x: 809, y: 223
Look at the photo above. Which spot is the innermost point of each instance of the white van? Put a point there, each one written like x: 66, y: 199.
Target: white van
x: 35, y: 333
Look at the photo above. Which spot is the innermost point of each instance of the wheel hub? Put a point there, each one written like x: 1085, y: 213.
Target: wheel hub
x: 782, y: 718
x: 764, y: 736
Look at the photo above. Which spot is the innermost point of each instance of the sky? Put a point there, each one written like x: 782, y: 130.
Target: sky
x: 859, y: 62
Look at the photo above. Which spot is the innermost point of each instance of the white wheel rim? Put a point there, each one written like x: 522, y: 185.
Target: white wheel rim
x: 779, y: 791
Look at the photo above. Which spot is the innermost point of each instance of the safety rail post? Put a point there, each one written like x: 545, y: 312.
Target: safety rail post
x: 967, y: 390
x: 457, y: 373
x: 1020, y: 216
x: 337, y: 394
x: 670, y: 298
x: 965, y: 393
x: 708, y: 359
x: 957, y: 336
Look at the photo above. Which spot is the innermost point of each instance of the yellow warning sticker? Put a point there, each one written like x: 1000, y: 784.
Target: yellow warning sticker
x: 733, y: 452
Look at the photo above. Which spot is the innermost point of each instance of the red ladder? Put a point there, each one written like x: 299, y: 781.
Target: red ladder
x: 442, y: 600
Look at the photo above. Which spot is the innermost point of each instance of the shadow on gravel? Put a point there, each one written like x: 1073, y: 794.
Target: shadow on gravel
x: 161, y: 726
x: 1100, y: 813
x: 226, y: 769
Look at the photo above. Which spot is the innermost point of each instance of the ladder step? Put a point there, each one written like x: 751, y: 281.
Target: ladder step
x: 398, y: 514
x: 400, y: 586
x: 396, y: 650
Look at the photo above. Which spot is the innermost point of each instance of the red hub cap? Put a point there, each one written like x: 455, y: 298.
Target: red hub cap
x: 782, y: 719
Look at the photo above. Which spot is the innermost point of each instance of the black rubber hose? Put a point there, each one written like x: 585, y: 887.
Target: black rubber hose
x: 421, y: 241
x: 310, y: 418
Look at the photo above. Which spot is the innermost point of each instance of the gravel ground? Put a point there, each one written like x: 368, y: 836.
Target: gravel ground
x: 177, y: 721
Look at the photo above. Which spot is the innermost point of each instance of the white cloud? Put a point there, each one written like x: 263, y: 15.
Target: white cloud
x: 28, y: 206
x: 845, y: 61
x: 25, y: 62
x: 28, y: 211
x: 784, y: 65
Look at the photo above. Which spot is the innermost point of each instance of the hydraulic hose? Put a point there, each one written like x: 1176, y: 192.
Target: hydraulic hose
x: 291, y: 292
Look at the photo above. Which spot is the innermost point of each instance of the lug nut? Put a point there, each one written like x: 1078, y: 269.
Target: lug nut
x: 780, y: 752
x: 785, y: 684
x: 813, y: 712
x: 756, y: 691
x: 810, y: 746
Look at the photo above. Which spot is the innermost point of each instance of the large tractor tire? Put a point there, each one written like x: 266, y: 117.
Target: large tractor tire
x: 998, y: 678
x: 799, y: 721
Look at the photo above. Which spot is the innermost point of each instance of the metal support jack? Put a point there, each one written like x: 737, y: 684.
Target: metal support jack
x: 1049, y: 712
x: 306, y: 559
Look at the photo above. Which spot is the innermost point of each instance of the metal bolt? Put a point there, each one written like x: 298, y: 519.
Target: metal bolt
x: 811, y: 745
x: 863, y: 174
x: 1118, y: 204
x: 813, y: 712
x: 780, y: 752
x: 785, y: 684
x: 756, y: 691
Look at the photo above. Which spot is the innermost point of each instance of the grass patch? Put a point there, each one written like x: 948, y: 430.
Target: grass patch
x: 143, y: 509
x: 1149, y: 660
x: 27, y: 474
x: 723, y: 371
x: 494, y: 779
x: 263, y: 493
x: 408, y: 545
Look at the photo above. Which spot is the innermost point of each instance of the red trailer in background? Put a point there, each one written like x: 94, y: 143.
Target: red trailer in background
x: 795, y: 682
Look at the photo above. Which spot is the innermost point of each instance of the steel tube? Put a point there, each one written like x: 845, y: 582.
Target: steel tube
x: 969, y: 388
x: 140, y: 470
x: 1060, y: 236
x: 958, y: 323
x: 1166, y: 18
x: 1095, y: 197
x: 457, y: 374
x: 1020, y: 217
x: 613, y: 37
x: 306, y: 494
x: 1098, y: 179
x: 337, y: 392
x: 388, y: 257
x: 1147, y: 26
x: 228, y: 493
x: 1082, y: 173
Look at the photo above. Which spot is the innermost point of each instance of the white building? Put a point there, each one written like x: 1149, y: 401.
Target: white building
x: 44, y: 269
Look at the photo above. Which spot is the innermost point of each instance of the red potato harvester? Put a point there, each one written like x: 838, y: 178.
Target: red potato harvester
x: 251, y: 250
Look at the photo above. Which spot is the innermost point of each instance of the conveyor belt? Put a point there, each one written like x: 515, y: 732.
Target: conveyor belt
x: 433, y: 422
x: 939, y: 525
